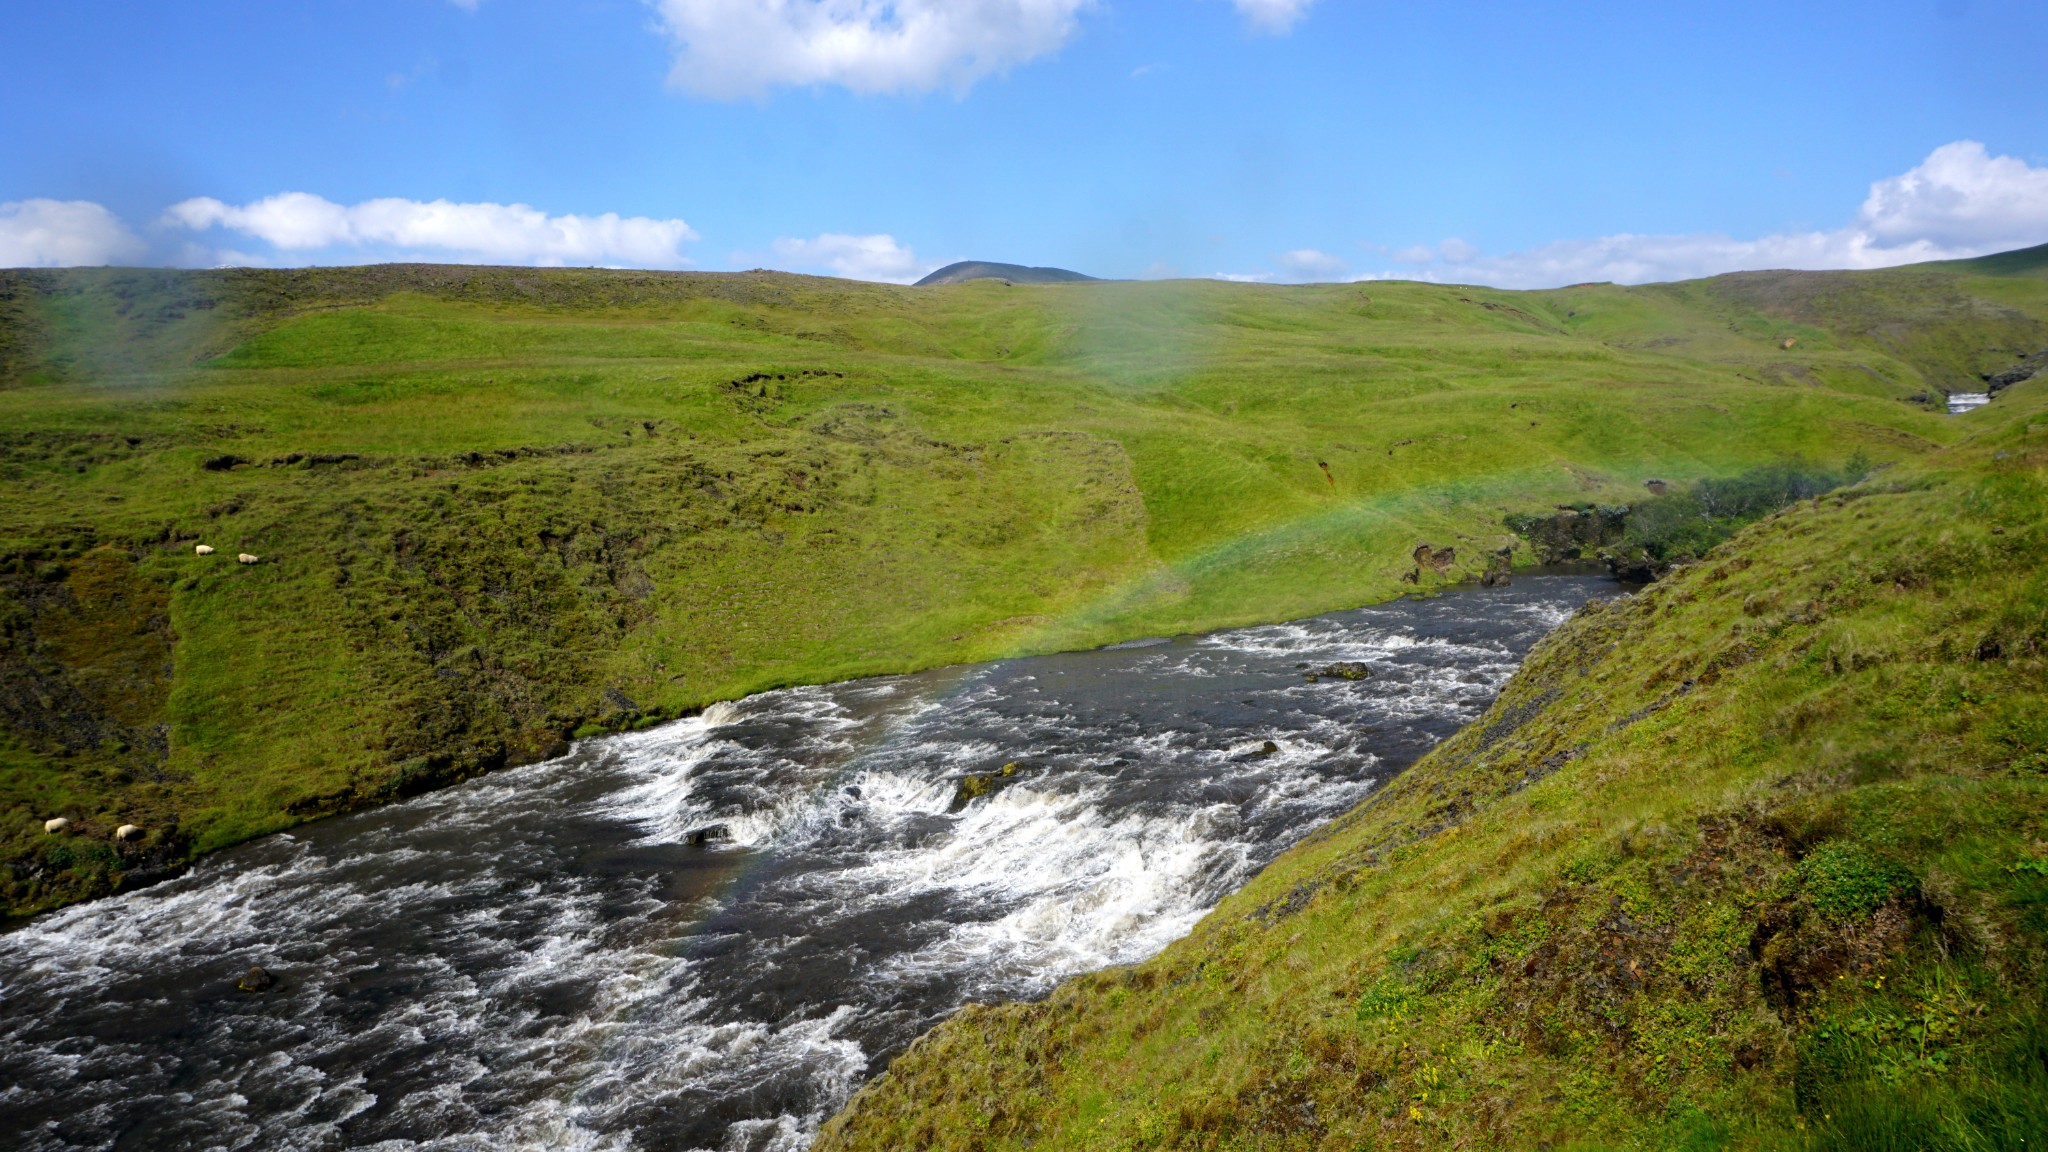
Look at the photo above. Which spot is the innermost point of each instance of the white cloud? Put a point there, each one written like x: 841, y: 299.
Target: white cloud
x: 873, y: 257
x: 1309, y: 264
x: 1243, y: 277
x: 1961, y: 196
x: 1273, y: 17
x: 729, y: 49
x: 1959, y: 202
x: 63, y: 234
x: 300, y: 222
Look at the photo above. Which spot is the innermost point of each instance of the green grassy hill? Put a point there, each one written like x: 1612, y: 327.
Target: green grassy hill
x: 496, y: 508
x: 1755, y: 859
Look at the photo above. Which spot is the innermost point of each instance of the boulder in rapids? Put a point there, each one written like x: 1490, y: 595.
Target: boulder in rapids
x: 256, y: 979
x: 709, y: 834
x: 972, y: 787
x: 1341, y: 670
x: 975, y: 785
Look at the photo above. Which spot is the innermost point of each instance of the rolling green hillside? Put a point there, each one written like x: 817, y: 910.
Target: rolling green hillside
x: 1757, y: 858
x: 496, y: 508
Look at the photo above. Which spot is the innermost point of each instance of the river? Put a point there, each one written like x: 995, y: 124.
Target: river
x: 706, y: 935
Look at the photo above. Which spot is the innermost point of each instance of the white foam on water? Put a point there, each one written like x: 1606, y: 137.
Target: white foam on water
x: 1080, y: 863
x: 1085, y: 890
x: 641, y: 1038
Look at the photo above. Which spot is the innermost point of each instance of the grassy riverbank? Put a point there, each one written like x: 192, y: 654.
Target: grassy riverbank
x: 1755, y: 859
x: 495, y: 508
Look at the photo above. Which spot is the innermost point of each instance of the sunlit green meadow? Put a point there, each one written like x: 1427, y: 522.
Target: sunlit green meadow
x: 495, y: 508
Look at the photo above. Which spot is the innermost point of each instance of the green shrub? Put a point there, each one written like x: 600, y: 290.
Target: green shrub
x: 1685, y: 525
x: 1843, y: 880
x: 1999, y: 1102
x: 1386, y: 999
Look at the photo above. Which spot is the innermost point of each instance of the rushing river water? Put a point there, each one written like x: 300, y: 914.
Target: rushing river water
x: 557, y: 956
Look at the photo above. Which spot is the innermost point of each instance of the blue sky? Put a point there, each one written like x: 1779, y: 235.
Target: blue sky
x: 1518, y: 144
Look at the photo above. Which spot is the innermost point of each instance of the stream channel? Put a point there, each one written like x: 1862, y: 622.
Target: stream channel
x: 558, y: 957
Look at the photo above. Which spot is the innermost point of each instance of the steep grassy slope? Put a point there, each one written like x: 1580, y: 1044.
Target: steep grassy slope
x: 497, y: 507
x: 1757, y: 858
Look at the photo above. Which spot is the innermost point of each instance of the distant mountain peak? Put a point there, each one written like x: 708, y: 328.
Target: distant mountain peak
x: 988, y: 270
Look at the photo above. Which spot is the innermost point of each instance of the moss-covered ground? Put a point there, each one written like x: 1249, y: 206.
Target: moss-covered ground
x: 496, y: 508
x: 1756, y: 858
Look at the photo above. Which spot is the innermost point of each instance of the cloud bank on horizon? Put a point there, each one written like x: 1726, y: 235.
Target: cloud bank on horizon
x: 44, y: 233
x: 875, y: 257
x: 1961, y: 201
x: 300, y: 224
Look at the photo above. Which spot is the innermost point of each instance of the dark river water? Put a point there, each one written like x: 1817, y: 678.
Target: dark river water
x: 557, y: 957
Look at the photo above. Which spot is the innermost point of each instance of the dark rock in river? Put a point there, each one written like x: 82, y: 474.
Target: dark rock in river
x: 709, y: 834
x: 1499, y: 568
x: 976, y: 785
x: 1341, y: 670
x: 1634, y: 566
x: 256, y: 979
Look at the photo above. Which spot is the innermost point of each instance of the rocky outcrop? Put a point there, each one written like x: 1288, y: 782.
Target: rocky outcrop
x: 2019, y: 373
x: 1438, y: 560
x: 1341, y: 670
x: 1573, y: 532
x: 1499, y: 568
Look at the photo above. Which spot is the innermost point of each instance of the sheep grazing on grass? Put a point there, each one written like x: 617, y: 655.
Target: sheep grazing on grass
x: 57, y: 824
x: 202, y: 549
x: 128, y: 832
x: 245, y: 558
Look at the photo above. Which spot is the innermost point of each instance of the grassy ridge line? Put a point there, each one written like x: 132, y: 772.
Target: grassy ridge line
x: 498, y: 507
x: 1757, y: 859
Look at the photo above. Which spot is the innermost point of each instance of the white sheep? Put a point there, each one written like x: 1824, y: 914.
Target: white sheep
x: 128, y: 832
x: 245, y: 558
x: 202, y: 549
x: 58, y: 824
